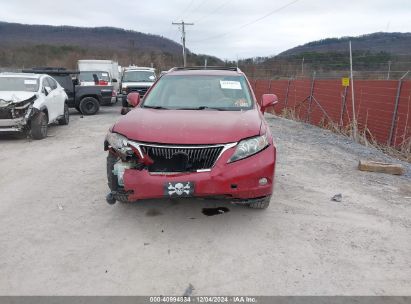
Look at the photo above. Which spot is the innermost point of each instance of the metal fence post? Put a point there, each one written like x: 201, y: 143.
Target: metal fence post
x: 395, y: 113
x: 311, y: 98
x: 286, y: 93
x: 343, y: 106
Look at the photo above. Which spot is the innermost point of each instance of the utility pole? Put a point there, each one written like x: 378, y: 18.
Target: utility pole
x: 183, y: 38
x: 354, y: 121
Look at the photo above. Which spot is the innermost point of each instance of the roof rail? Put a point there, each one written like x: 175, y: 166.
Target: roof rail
x: 222, y: 68
x: 50, y: 71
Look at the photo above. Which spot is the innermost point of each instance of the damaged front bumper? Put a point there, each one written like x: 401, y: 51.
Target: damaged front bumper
x: 13, y: 125
x: 240, y: 181
x: 15, y: 117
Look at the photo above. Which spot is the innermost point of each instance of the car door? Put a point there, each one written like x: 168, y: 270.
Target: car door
x: 50, y: 99
x: 59, y: 96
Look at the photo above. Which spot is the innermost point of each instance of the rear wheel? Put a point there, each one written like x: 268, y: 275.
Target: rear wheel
x: 39, y: 125
x: 261, y: 204
x: 66, y: 116
x: 89, y: 106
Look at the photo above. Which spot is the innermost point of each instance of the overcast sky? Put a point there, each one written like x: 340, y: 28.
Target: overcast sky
x: 224, y: 28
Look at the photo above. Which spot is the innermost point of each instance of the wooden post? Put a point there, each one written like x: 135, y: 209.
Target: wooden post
x: 395, y: 112
x: 354, y: 120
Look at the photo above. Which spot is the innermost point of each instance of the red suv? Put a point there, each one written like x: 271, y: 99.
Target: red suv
x: 197, y: 132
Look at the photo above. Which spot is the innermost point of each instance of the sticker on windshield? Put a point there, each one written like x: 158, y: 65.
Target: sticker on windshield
x: 104, y: 74
x: 30, y: 81
x: 230, y: 85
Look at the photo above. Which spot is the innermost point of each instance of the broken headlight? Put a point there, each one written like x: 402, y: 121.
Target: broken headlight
x: 20, y: 109
x: 248, y: 147
x: 116, y: 141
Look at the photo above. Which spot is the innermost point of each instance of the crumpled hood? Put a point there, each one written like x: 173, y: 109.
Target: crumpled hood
x: 15, y: 96
x: 189, y: 126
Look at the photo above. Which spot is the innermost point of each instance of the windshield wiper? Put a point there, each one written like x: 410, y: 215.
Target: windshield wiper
x: 202, y: 108
x: 156, y: 107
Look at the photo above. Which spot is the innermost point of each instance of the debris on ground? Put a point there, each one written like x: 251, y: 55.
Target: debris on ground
x: 337, y: 198
x: 60, y: 206
x: 381, y: 167
x: 188, y: 291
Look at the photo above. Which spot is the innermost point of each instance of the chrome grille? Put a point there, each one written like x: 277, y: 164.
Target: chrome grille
x: 141, y: 90
x: 181, y: 159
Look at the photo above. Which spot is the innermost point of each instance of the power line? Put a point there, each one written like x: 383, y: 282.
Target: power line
x: 186, y: 9
x: 249, y: 23
x: 214, y: 11
x: 198, y: 6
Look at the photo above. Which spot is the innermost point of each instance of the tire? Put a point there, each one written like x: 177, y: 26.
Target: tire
x: 118, y: 192
x: 77, y: 108
x: 66, y: 116
x: 89, y: 106
x: 261, y: 204
x: 39, y: 125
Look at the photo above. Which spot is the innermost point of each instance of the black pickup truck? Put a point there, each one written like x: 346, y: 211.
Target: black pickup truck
x: 86, y: 99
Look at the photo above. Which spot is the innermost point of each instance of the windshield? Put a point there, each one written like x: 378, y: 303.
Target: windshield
x: 19, y: 84
x: 139, y: 76
x: 196, y: 92
x: 88, y: 76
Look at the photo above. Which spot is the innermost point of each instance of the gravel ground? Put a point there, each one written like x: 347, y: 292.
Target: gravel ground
x: 58, y: 236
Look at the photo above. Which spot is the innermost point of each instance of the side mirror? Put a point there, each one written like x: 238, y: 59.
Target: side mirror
x: 268, y: 100
x: 133, y: 99
x: 114, y: 80
x: 47, y: 90
x: 76, y: 82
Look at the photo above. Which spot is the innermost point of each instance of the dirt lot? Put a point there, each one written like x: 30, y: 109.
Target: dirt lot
x: 58, y: 236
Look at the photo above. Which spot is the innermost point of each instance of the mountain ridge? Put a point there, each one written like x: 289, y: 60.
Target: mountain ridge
x: 395, y: 43
x: 110, y: 37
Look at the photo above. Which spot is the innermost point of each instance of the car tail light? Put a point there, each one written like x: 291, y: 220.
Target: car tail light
x: 102, y: 82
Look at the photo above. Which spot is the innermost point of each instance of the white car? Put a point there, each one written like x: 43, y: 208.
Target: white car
x: 30, y: 102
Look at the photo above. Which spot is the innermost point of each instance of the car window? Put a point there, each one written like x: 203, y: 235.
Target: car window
x: 139, y: 76
x: 52, y: 83
x: 19, y: 84
x: 85, y: 76
x: 194, y: 91
x: 45, y: 83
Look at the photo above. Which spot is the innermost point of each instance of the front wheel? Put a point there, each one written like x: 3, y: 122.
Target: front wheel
x: 39, y: 126
x: 66, y: 116
x: 89, y: 106
x: 261, y: 204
